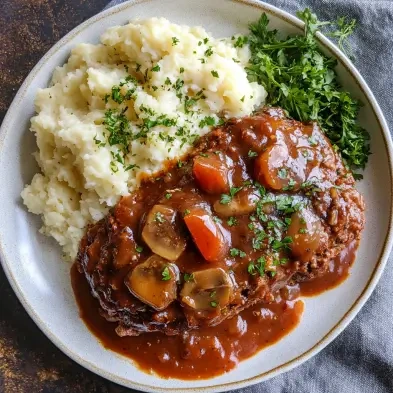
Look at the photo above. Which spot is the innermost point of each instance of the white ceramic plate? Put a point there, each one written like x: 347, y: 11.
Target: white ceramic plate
x: 41, y: 280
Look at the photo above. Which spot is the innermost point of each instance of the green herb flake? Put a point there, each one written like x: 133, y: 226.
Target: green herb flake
x: 235, y: 252
x: 214, y: 304
x: 159, y: 217
x: 156, y: 68
x: 166, y: 275
x: 217, y: 220
x: 208, y: 52
x: 282, y: 173
x: 139, y: 249
x: 175, y: 41
x: 207, y: 121
x: 131, y: 167
x: 232, y: 221
x: 225, y: 198
x: 215, y: 73
x: 240, y: 41
x: 168, y: 195
x: 186, y: 212
x: 284, y: 243
x: 188, y: 277
x: 252, y: 154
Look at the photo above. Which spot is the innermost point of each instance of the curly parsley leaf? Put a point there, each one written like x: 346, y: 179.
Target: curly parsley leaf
x: 300, y: 78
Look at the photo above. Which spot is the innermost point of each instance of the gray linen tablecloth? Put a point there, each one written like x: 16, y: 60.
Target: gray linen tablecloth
x: 361, y: 358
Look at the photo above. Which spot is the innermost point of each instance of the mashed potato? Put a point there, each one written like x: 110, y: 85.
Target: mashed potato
x: 122, y: 108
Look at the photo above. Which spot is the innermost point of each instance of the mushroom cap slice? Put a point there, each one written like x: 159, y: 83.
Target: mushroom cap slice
x: 154, y: 282
x: 162, y: 234
x: 244, y: 202
x: 208, y: 289
x: 305, y: 231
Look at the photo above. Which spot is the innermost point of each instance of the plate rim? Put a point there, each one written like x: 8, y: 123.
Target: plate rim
x: 341, y: 324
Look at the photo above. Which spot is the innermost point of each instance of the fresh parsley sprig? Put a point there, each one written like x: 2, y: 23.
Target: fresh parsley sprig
x: 300, y: 78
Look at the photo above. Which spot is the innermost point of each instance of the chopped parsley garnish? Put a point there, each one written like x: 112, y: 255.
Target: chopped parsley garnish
x: 139, y: 249
x: 217, y: 220
x: 181, y: 70
x: 208, y: 52
x: 215, y: 73
x: 168, y: 195
x: 165, y: 275
x: 277, y: 244
x: 240, y: 41
x: 207, y: 121
x: 188, y: 277
x: 302, y: 230
x: 186, y: 212
x: 214, y: 304
x: 282, y: 173
x: 226, y: 198
x: 117, y: 125
x: 301, y: 79
x: 175, y: 41
x: 257, y: 267
x: 235, y: 252
x: 156, y: 68
x: 159, y: 217
x: 291, y: 184
x: 98, y: 142
x: 252, y: 154
x: 258, y: 240
x: 205, y: 40
x: 130, y: 167
x: 312, y: 141
x: 232, y: 221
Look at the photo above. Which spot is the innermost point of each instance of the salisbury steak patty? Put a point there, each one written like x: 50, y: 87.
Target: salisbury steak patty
x: 260, y: 202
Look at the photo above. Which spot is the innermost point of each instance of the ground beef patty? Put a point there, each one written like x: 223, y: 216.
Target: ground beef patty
x: 261, y: 202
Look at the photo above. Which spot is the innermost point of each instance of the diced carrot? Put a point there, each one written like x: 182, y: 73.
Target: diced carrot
x: 208, y: 235
x: 211, y: 174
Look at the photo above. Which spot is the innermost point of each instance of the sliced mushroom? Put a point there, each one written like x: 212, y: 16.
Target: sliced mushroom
x: 154, y: 282
x: 244, y: 202
x: 125, y: 250
x: 305, y: 231
x: 208, y: 289
x: 162, y: 233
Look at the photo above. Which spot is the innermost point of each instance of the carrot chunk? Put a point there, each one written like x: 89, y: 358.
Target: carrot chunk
x: 212, y: 174
x: 209, y: 236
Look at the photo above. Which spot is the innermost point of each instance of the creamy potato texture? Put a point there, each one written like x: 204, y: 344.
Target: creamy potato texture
x: 121, y: 109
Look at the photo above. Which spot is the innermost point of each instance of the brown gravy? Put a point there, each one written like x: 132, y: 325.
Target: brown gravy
x: 337, y: 273
x: 199, y: 354
x: 213, y: 350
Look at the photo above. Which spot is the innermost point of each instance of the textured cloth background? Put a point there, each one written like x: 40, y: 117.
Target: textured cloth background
x: 360, y: 360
